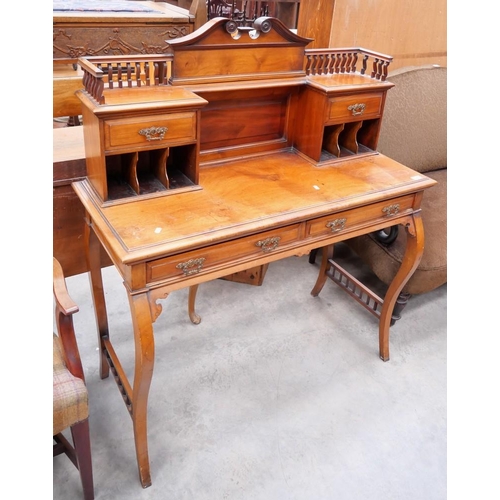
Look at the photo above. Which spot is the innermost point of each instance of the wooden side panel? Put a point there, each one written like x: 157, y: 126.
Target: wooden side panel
x: 226, y: 125
x: 68, y: 228
x: 220, y: 64
x: 414, y: 33
x: 308, y: 130
x: 241, y: 122
x: 315, y: 19
x: 64, y: 101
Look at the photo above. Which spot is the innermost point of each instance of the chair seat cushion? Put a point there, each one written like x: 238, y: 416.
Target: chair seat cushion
x: 386, y: 260
x: 70, y: 397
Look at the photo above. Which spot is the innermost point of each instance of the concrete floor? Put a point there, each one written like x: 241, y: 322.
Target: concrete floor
x: 274, y: 395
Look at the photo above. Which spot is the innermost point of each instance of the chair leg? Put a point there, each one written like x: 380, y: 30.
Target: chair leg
x: 400, y: 304
x: 312, y: 256
x: 81, y: 440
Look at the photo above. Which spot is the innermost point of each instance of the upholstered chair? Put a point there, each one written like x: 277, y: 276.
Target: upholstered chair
x: 70, y: 396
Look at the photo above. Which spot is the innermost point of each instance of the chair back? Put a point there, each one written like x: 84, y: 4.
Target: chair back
x: 414, y: 124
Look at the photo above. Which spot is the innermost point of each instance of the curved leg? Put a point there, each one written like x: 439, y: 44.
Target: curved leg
x: 413, y: 255
x: 327, y: 253
x: 143, y: 373
x: 93, y: 255
x: 195, y: 319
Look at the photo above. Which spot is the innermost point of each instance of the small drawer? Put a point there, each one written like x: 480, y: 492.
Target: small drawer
x: 354, y: 108
x: 149, y: 132
x: 205, y: 259
x: 359, y: 217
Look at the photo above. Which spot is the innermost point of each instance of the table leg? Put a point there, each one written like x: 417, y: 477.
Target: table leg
x: 195, y: 318
x: 411, y: 259
x: 143, y: 373
x: 93, y: 255
x: 326, y: 255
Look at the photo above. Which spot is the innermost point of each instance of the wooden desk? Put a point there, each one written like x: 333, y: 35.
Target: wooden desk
x: 141, y: 27
x: 284, y: 210
x: 280, y: 157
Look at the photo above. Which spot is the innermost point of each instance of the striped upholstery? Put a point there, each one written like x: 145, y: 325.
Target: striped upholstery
x: 70, y: 393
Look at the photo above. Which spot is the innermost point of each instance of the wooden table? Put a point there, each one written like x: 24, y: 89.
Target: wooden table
x: 283, y: 211
x: 279, y: 150
x: 134, y: 27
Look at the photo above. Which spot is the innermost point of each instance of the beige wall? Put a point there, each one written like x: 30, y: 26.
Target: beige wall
x: 413, y: 32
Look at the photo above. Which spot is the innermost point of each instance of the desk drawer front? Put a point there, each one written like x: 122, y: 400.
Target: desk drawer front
x: 352, y: 219
x: 354, y: 108
x: 203, y: 259
x: 149, y: 132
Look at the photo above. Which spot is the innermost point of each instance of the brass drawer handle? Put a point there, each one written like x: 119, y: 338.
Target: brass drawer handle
x: 153, y: 133
x: 336, y: 225
x: 391, y: 210
x: 357, y: 109
x: 269, y: 244
x: 192, y: 266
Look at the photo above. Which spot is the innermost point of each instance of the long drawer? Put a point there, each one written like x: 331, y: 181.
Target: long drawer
x: 205, y: 259
x: 149, y: 132
x: 359, y: 217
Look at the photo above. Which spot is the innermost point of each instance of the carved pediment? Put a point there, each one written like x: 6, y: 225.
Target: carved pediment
x: 222, y: 51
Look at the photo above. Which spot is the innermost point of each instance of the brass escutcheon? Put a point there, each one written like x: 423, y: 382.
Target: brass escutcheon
x: 192, y: 266
x: 336, y: 225
x: 357, y: 109
x: 391, y: 209
x: 268, y: 244
x: 153, y: 133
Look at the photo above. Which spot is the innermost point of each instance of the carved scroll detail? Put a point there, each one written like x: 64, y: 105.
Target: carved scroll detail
x: 153, y: 296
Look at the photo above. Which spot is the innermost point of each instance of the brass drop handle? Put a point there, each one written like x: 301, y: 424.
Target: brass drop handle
x: 336, y: 225
x: 153, y: 133
x: 192, y: 266
x: 391, y: 210
x: 269, y: 244
x: 357, y: 109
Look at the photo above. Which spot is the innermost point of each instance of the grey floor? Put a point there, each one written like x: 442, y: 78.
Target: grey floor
x: 274, y: 395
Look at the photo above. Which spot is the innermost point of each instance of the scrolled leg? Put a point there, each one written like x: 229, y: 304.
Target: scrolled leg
x: 411, y: 259
x: 326, y: 255
x: 195, y: 318
x: 143, y: 373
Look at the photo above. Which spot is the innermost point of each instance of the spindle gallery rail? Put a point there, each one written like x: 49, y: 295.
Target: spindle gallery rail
x: 329, y: 61
x: 111, y: 72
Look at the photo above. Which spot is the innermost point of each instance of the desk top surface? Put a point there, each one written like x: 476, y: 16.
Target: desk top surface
x: 244, y: 197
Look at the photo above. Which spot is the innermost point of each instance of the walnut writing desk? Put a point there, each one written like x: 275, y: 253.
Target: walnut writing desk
x: 253, y: 151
